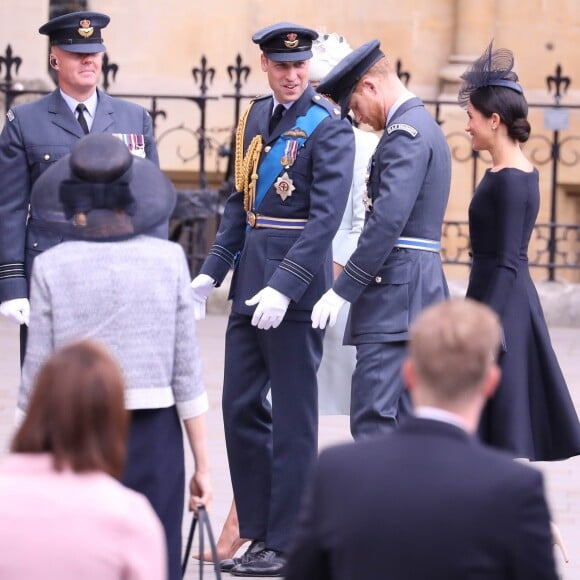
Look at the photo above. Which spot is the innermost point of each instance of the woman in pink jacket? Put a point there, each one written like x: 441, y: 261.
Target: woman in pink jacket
x: 64, y: 514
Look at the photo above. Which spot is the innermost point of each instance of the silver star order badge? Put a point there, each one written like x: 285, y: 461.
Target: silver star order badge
x: 284, y: 186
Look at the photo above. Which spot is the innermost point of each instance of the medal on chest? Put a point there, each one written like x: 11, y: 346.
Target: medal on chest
x: 134, y: 141
x: 290, y: 153
x: 284, y: 186
x: 367, y: 200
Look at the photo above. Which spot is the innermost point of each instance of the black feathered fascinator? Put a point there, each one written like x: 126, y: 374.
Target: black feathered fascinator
x: 492, y: 68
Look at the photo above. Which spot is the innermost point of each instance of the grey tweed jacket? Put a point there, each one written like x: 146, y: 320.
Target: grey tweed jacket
x: 134, y: 297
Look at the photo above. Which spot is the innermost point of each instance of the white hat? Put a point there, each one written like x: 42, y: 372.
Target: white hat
x: 327, y: 51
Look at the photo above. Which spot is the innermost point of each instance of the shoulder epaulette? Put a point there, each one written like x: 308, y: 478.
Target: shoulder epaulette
x: 327, y: 104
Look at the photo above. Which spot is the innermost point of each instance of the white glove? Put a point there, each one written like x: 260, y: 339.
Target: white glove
x: 325, y: 311
x: 17, y: 309
x: 272, y: 306
x: 202, y: 285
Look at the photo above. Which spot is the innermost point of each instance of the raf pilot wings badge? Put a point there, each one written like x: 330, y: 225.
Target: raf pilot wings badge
x: 296, y: 133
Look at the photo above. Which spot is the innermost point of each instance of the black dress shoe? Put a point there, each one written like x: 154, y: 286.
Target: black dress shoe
x: 255, y: 547
x: 264, y: 563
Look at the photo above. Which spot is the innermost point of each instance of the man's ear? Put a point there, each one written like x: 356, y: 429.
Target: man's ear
x: 368, y: 84
x: 409, y: 374
x: 491, y: 381
x: 264, y: 62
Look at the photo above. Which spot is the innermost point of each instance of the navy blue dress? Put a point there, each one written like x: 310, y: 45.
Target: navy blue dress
x: 531, y: 415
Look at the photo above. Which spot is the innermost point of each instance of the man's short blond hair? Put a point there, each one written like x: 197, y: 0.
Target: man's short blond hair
x: 452, y: 346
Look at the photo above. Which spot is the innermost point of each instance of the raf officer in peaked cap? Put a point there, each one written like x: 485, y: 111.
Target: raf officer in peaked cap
x: 38, y: 134
x: 396, y: 269
x: 294, y: 159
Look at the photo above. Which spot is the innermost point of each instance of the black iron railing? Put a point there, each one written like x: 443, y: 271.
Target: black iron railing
x: 555, y: 246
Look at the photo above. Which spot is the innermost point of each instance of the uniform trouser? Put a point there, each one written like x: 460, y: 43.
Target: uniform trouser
x: 271, y: 449
x: 378, y: 396
x: 155, y: 467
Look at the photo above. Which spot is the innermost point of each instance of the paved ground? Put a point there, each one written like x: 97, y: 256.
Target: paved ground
x: 562, y: 478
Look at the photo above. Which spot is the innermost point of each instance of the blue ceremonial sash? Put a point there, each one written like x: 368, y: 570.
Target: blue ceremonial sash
x: 270, y: 166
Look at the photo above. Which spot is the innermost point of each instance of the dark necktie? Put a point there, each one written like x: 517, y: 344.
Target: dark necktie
x: 278, y: 113
x: 81, y: 118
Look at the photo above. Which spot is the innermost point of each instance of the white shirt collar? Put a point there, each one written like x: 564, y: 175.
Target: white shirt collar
x: 276, y: 103
x: 90, y: 104
x: 406, y: 96
x: 442, y: 415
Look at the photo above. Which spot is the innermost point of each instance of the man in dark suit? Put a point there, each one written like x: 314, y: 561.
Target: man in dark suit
x: 38, y: 134
x: 428, y: 500
x: 294, y: 159
x: 396, y: 269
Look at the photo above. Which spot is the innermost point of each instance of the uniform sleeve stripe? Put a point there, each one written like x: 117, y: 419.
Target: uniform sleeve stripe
x: 357, y: 274
x: 299, y: 268
x: 15, y: 270
x: 288, y: 268
x: 225, y: 251
x: 356, y: 268
x: 356, y: 278
x: 222, y: 253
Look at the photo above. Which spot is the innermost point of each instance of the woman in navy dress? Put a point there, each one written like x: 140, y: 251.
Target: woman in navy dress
x: 532, y: 415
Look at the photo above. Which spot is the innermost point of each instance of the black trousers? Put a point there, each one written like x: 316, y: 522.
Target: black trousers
x: 155, y: 467
x: 271, y: 449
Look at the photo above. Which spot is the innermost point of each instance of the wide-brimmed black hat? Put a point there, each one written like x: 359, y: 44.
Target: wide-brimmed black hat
x: 339, y: 83
x: 102, y: 192
x: 77, y: 31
